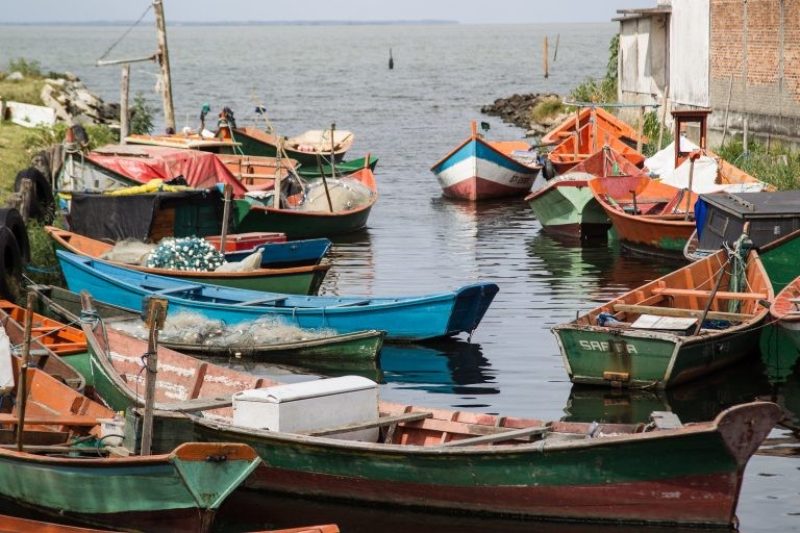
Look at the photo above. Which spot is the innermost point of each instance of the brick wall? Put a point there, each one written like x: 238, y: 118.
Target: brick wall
x: 747, y: 57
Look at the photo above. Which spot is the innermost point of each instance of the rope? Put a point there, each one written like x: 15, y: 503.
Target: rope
x: 125, y: 34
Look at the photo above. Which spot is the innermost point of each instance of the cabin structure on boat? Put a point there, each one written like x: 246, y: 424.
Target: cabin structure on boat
x: 734, y: 56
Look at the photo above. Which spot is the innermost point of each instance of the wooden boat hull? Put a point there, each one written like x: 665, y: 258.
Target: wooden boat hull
x: 304, y: 252
x: 568, y: 208
x: 786, y: 312
x: 292, y: 280
x: 256, y: 142
x: 604, y: 472
x: 621, y: 355
x: 477, y: 171
x: 343, y: 168
x: 408, y: 319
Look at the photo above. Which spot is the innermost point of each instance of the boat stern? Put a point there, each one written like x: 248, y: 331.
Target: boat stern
x: 471, y: 303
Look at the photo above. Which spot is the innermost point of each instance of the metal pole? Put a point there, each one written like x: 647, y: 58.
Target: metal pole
x: 156, y: 313
x: 123, y: 103
x: 22, y: 389
x: 163, y: 60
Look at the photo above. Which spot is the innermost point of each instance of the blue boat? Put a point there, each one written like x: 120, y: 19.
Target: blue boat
x: 306, y: 252
x: 412, y: 318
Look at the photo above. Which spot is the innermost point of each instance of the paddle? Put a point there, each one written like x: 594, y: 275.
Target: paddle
x: 22, y: 388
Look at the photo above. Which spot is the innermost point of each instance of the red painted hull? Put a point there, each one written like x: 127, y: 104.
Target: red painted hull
x: 705, y: 499
x: 476, y: 188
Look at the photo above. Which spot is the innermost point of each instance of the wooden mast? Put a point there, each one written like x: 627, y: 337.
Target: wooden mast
x: 163, y: 61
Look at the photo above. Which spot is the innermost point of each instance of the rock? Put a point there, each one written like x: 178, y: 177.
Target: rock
x: 74, y: 103
x: 56, y: 82
x: 516, y: 109
x: 69, y: 76
x: 15, y: 76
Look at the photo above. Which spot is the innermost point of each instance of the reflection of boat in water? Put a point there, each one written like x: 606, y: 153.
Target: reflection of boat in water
x: 353, y: 265
x: 782, y: 364
x: 692, y: 402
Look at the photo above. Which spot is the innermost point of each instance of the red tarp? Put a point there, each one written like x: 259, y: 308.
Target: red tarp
x: 141, y: 164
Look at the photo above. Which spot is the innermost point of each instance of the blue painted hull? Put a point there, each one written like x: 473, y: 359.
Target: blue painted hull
x: 306, y: 252
x: 402, y: 318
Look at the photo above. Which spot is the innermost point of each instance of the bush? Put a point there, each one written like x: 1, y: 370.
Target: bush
x: 546, y: 108
x: 651, y: 129
x: 44, y: 264
x: 778, y: 166
x: 26, y: 67
x: 141, y: 122
x: 42, y: 137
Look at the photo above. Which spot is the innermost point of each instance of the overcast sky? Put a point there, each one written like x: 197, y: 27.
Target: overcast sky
x: 466, y: 11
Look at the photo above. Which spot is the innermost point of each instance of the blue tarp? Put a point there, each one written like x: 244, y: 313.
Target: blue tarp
x: 700, y: 213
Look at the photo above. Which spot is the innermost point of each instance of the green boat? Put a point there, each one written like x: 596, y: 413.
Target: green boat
x: 677, y: 328
x: 66, y: 471
x: 458, y: 461
x: 305, y: 148
x: 291, y: 280
x: 346, y: 217
x: 343, y: 168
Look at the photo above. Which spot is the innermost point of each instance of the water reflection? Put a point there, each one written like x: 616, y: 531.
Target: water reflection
x: 782, y: 366
x: 353, y: 264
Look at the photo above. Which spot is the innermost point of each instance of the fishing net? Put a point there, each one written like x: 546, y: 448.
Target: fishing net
x: 248, y: 264
x: 130, y: 252
x: 192, y: 328
x: 346, y: 194
x: 187, y: 253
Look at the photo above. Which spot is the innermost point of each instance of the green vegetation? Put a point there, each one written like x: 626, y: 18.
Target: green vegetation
x: 44, y: 263
x: 547, y: 108
x: 141, y: 116
x: 651, y: 129
x: 13, y: 157
x: 27, y: 67
x: 776, y: 165
x: 27, y: 90
x: 41, y: 137
x: 603, y: 90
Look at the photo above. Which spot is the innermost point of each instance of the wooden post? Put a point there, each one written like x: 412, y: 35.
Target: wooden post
x: 123, y: 103
x: 22, y: 382
x: 226, y: 214
x: 745, y: 135
x: 640, y: 129
x: 333, y: 150
x: 727, y: 108
x: 163, y: 60
x: 555, y: 52
x: 156, y: 313
x: 664, y: 102
x: 546, y: 72
x: 391, y: 60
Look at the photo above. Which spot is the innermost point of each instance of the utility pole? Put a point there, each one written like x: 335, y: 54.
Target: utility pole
x: 163, y: 61
x: 124, y: 89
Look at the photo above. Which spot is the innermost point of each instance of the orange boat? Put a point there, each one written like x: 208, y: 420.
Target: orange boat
x: 586, y: 141
x: 647, y: 215
x: 258, y: 173
x: 615, y: 126
x: 55, y: 336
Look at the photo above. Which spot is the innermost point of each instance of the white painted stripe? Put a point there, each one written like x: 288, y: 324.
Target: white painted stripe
x: 472, y: 167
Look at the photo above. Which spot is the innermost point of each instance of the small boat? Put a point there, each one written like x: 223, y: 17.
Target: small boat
x: 177, y: 491
x: 65, y: 305
x: 494, y: 464
x: 478, y: 169
x: 565, y: 205
x: 293, y: 280
x: 192, y: 141
x: 308, y: 214
x: 677, y: 328
x: 307, y: 148
x: 590, y: 116
x: 257, y: 173
x: 239, y: 242
x: 586, y: 141
x: 403, y: 318
x: 785, y: 310
x: 648, y: 216
x: 304, y: 252
x: 340, y: 169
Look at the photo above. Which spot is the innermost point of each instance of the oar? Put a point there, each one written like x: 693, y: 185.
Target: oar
x: 22, y: 383
x: 694, y: 156
x: 710, y: 300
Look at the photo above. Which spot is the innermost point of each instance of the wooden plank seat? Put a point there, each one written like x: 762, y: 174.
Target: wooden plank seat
x: 497, y: 437
x: 198, y: 404
x: 350, y: 304
x: 678, y: 312
x: 180, y: 288
x: 380, y: 422
x: 722, y: 295
x: 261, y: 301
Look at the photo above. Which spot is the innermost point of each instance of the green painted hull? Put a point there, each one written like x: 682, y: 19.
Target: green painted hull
x: 167, y: 493
x: 343, y: 168
x: 297, y: 224
x: 307, y: 282
x: 599, y: 356
x: 780, y: 261
x: 570, y: 210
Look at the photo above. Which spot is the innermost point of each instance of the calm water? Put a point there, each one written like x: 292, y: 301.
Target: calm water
x: 418, y: 242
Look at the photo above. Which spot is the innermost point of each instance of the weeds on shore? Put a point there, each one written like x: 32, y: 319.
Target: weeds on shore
x: 777, y: 165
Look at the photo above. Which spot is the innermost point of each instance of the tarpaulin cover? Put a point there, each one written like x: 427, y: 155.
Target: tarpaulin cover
x: 141, y: 164
x: 700, y: 213
x: 116, y: 218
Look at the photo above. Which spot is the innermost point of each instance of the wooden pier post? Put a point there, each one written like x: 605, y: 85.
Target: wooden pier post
x: 123, y: 103
x: 163, y: 61
x: 156, y: 313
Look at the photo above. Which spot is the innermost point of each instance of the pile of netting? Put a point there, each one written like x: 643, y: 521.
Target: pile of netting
x: 186, y: 253
x: 195, y: 329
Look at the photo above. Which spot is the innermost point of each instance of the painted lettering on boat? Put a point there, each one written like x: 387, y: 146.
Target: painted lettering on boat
x: 604, y: 346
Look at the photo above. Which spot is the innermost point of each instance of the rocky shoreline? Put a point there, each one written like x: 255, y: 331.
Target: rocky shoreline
x: 518, y: 109
x: 73, y: 103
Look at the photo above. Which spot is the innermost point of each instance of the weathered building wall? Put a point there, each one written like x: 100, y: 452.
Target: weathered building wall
x: 643, y: 61
x: 689, y: 53
x: 755, y: 64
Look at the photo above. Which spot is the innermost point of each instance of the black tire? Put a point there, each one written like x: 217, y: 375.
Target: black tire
x: 548, y: 170
x: 11, y: 220
x: 41, y: 206
x: 41, y: 162
x: 10, y: 267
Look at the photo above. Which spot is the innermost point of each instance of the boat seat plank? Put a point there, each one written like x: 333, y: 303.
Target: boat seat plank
x: 723, y: 295
x: 50, y: 420
x: 498, y: 437
x: 261, y: 301
x: 350, y: 304
x: 199, y: 404
x: 678, y: 312
x: 179, y: 288
x: 382, y: 421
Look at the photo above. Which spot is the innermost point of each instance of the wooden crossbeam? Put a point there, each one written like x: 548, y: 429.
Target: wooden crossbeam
x: 199, y: 404
x: 497, y: 437
x: 382, y: 421
x: 722, y: 295
x: 677, y: 312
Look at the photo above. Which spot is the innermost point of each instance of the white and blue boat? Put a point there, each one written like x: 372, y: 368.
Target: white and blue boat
x: 411, y: 318
x: 479, y: 169
x: 288, y: 254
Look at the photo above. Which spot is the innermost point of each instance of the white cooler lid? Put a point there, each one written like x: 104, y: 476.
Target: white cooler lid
x: 306, y: 389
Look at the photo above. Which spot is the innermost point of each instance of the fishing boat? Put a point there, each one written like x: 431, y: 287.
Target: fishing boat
x: 311, y: 352
x: 258, y: 173
x: 340, y: 169
x: 304, y: 252
x: 403, y: 318
x: 648, y: 216
x: 590, y: 116
x: 585, y: 142
x: 478, y: 169
x: 785, y: 310
x: 677, y: 328
x: 308, y: 148
x: 457, y: 461
x: 565, y: 205
x: 176, y: 491
x: 324, y: 209
x: 292, y: 280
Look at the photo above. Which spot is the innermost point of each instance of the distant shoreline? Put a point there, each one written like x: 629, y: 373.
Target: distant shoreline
x: 248, y: 23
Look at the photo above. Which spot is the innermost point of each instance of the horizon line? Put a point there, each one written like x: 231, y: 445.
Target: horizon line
x: 321, y: 22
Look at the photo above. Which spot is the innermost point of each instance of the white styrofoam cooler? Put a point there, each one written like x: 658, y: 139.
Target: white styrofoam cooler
x: 311, y: 406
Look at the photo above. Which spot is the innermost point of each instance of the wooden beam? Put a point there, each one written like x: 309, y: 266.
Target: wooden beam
x: 199, y: 404
x: 723, y: 295
x: 497, y: 437
x: 676, y: 312
x: 382, y: 421
x: 50, y: 420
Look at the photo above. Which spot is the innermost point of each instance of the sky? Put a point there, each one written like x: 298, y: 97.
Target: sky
x: 465, y: 11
